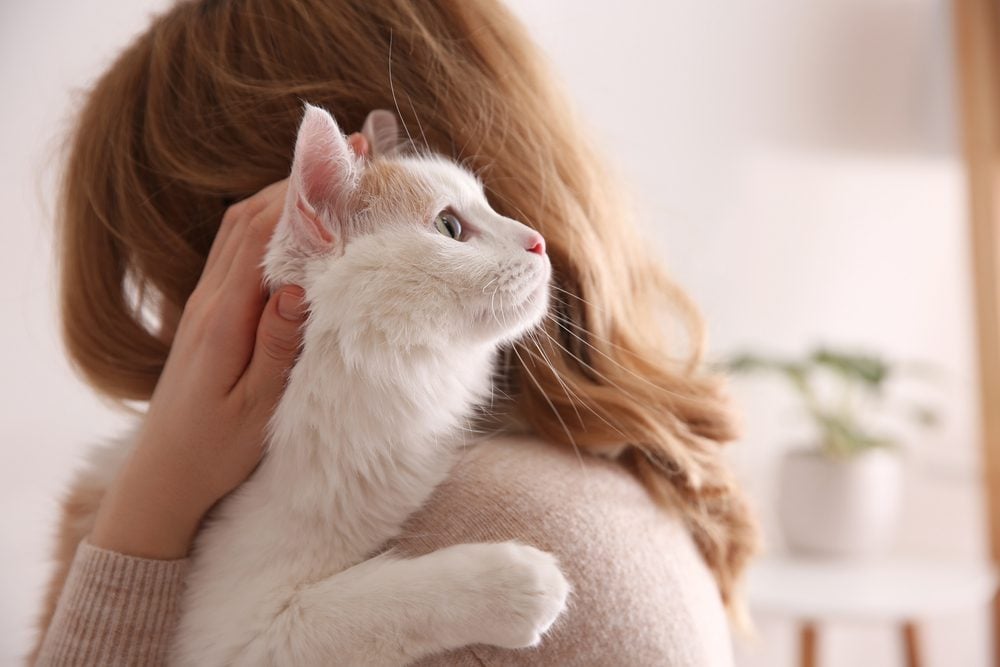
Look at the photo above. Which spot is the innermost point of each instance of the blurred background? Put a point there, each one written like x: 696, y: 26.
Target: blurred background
x: 798, y: 167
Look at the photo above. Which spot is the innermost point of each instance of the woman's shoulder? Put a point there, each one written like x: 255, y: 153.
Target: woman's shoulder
x: 642, y: 594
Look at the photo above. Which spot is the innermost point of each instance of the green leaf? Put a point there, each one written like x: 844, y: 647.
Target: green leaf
x: 840, y: 426
x: 867, y: 369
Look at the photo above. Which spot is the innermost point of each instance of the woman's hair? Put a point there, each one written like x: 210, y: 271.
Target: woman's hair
x: 202, y: 110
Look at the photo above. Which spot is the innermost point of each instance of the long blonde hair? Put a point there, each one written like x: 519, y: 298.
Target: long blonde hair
x: 202, y: 110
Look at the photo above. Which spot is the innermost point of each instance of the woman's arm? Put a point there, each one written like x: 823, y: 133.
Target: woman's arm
x: 113, y: 609
x: 204, y: 431
x: 203, y: 434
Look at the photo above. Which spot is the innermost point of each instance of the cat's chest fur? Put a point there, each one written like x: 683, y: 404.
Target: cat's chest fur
x: 354, y: 451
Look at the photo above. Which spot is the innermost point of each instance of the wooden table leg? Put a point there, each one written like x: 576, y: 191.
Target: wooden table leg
x: 911, y: 644
x: 807, y: 644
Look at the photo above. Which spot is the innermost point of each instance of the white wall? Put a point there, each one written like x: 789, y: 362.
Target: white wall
x: 49, y: 50
x: 795, y: 163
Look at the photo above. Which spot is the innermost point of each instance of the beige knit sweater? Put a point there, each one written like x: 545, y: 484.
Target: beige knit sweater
x: 642, y: 595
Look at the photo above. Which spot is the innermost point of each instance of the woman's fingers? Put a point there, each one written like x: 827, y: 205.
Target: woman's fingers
x: 239, y: 305
x: 233, y: 227
x: 245, y: 266
x: 242, y: 291
x: 235, y: 216
x: 279, y: 336
x: 231, y: 309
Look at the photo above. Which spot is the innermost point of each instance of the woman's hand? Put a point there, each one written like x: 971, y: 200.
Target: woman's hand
x: 205, y: 428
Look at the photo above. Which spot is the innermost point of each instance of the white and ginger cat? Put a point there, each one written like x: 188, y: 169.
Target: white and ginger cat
x: 402, y: 261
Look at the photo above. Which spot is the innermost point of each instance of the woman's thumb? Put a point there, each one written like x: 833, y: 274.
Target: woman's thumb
x: 279, y: 336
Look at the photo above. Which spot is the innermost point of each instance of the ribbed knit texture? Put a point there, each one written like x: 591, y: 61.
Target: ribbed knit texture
x: 114, y: 610
x: 642, y: 595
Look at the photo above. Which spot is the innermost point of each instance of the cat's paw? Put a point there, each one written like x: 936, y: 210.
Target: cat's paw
x: 517, y: 592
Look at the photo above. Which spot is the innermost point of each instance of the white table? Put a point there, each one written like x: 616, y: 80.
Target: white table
x: 810, y: 591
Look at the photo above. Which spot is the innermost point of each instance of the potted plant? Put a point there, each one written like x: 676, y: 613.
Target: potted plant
x: 840, y: 496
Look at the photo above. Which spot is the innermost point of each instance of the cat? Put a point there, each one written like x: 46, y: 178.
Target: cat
x: 413, y: 284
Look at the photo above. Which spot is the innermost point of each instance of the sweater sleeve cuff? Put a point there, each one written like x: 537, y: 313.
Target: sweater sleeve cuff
x: 114, y: 609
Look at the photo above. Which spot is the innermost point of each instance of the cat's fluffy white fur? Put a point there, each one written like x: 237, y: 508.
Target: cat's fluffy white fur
x: 398, y: 350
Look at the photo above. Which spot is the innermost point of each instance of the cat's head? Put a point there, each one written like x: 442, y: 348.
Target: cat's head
x: 401, y: 250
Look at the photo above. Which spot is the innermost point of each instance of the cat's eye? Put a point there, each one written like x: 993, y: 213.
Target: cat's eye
x: 448, y: 224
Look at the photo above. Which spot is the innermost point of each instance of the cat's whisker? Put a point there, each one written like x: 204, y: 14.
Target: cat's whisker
x: 504, y: 394
x: 612, y: 360
x: 470, y: 427
x: 477, y: 171
x: 495, y: 278
x: 616, y: 346
x: 481, y: 171
x: 459, y: 156
x: 566, y: 323
x: 569, y: 322
x: 555, y: 412
x: 427, y: 146
x: 583, y: 402
x: 493, y: 310
x: 500, y: 374
x: 595, y: 308
x: 600, y: 375
x: 533, y: 337
x: 559, y: 379
x: 392, y: 89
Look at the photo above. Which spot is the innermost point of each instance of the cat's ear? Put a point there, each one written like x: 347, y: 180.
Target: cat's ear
x: 324, y: 171
x: 381, y: 129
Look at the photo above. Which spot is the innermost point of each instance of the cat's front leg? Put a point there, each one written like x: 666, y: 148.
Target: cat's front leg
x: 389, y: 611
x: 504, y: 594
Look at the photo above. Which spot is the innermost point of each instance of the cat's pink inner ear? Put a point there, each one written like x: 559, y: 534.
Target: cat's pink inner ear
x: 317, y: 235
x: 324, y: 167
x: 359, y: 144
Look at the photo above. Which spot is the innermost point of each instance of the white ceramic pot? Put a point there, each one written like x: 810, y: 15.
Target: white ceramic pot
x: 840, y: 507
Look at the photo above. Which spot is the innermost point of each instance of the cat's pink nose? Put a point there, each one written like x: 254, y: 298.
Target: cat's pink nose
x: 535, y: 244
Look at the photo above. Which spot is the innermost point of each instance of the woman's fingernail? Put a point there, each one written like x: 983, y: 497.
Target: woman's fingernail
x: 291, y: 305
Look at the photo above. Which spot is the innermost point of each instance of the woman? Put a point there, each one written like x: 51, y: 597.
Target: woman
x: 617, y: 468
